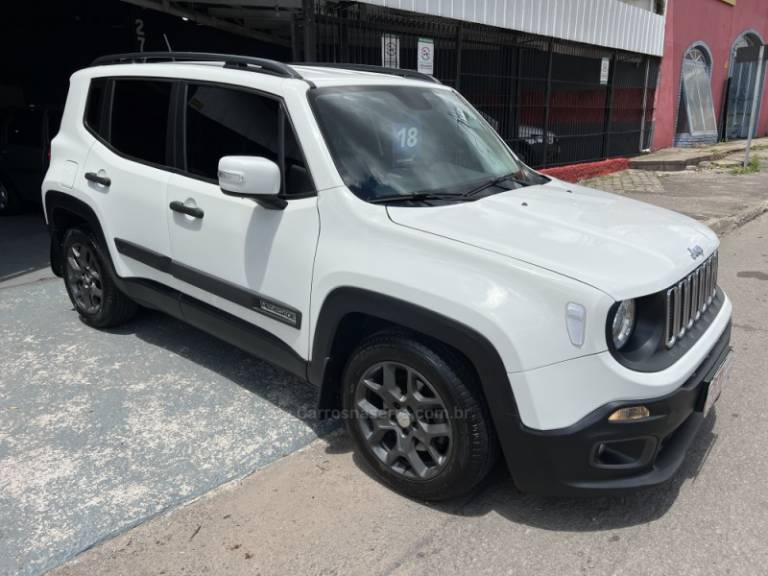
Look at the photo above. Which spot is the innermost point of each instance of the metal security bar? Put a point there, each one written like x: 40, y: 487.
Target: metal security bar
x: 554, y: 102
x: 689, y: 299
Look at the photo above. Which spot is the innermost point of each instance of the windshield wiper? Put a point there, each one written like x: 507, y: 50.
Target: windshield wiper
x: 416, y: 197
x: 495, y: 182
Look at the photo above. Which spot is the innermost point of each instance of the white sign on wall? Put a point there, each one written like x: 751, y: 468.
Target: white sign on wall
x: 605, y: 69
x: 426, y: 56
x: 390, y: 51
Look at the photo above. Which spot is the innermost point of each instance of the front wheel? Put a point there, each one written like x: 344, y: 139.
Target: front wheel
x: 89, y: 283
x: 415, y: 413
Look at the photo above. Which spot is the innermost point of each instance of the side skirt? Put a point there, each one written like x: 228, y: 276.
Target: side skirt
x: 223, y: 325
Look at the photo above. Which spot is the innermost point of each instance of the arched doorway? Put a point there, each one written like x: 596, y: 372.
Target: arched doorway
x: 742, y: 75
x: 696, y: 123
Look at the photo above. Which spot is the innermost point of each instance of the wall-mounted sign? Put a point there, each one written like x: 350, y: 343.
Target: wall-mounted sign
x: 390, y: 51
x: 426, y: 56
x: 731, y: 2
x: 605, y: 70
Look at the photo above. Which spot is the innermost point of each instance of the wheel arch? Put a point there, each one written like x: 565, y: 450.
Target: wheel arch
x: 348, y: 314
x: 64, y: 211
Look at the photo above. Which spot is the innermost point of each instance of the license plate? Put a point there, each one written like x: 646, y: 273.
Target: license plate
x: 717, y: 383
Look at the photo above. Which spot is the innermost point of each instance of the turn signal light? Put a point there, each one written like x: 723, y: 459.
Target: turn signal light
x: 630, y: 413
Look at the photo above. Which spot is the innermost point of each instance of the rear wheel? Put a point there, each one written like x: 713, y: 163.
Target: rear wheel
x: 415, y: 413
x: 90, y: 285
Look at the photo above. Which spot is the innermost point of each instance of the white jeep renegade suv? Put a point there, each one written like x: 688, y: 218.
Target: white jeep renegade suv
x: 366, y: 229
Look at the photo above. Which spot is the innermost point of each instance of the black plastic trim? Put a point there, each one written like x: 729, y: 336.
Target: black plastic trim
x: 265, y: 306
x: 223, y: 325
x: 478, y: 350
x: 57, y: 202
x: 401, y: 72
x: 262, y: 65
x: 144, y: 255
x: 646, y: 351
x: 561, y: 461
x: 552, y: 462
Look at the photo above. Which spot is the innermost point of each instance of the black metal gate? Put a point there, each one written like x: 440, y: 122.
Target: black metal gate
x: 554, y: 102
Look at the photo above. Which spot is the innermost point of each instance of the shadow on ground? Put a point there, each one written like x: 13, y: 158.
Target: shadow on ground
x: 572, y: 514
x: 292, y: 395
x: 23, y: 249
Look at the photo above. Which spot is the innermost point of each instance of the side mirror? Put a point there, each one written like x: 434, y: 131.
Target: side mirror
x: 252, y: 176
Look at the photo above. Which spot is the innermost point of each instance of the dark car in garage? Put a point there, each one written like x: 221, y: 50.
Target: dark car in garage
x: 25, y: 136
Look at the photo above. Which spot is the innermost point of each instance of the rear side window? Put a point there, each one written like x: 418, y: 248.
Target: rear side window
x: 229, y: 122
x: 94, y: 107
x: 139, y: 123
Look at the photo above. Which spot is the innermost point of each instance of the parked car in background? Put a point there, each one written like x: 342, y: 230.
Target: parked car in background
x: 25, y: 138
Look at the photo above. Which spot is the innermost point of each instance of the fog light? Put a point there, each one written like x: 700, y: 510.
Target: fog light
x: 630, y: 413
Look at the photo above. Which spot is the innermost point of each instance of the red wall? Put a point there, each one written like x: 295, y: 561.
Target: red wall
x: 718, y: 24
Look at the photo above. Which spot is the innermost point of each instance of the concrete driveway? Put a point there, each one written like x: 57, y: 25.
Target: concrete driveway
x: 101, y: 430
x: 317, y: 512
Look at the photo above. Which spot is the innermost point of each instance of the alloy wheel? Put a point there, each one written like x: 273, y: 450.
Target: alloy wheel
x: 403, y: 420
x: 84, y: 278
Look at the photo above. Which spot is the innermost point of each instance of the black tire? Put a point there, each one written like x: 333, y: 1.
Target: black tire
x: 461, y: 448
x: 86, y: 266
x: 10, y: 203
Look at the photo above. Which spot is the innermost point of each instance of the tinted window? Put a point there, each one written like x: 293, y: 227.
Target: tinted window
x: 228, y: 122
x: 139, y: 125
x: 95, y: 105
x: 225, y: 122
x: 25, y: 129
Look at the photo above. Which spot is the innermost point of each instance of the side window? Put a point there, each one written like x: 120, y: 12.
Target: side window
x: 139, y: 123
x: 226, y: 122
x: 229, y: 122
x: 94, y: 107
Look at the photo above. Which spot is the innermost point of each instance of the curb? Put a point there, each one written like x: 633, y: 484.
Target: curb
x: 727, y: 224
x: 671, y: 164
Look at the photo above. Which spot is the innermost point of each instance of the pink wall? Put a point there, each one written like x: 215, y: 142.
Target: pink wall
x: 717, y: 24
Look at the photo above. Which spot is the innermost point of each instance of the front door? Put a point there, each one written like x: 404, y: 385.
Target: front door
x: 252, y: 262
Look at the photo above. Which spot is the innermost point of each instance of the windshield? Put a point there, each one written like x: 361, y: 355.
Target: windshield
x: 404, y: 141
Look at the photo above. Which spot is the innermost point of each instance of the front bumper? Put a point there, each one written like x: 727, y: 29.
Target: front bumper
x: 570, y: 461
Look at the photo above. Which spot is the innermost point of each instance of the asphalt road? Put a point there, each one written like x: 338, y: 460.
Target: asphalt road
x: 101, y: 430
x: 318, y: 512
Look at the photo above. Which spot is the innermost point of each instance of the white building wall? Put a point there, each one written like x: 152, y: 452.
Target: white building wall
x: 609, y: 23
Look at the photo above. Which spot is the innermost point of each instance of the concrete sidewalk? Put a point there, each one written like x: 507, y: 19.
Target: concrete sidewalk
x: 714, y: 195
x: 673, y: 159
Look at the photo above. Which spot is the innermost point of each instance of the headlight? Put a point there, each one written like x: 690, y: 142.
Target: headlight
x: 623, y: 323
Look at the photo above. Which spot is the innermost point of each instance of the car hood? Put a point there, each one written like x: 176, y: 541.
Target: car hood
x: 623, y: 247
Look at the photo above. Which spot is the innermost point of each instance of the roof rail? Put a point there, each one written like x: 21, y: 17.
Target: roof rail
x: 229, y: 60
x: 403, y: 73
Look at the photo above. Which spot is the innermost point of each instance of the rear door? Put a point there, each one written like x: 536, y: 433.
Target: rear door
x: 242, y: 258
x: 126, y: 172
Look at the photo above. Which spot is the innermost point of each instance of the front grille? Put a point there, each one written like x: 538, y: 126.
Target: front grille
x: 689, y: 299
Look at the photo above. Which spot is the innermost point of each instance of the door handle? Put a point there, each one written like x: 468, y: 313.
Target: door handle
x: 103, y: 180
x: 193, y: 211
